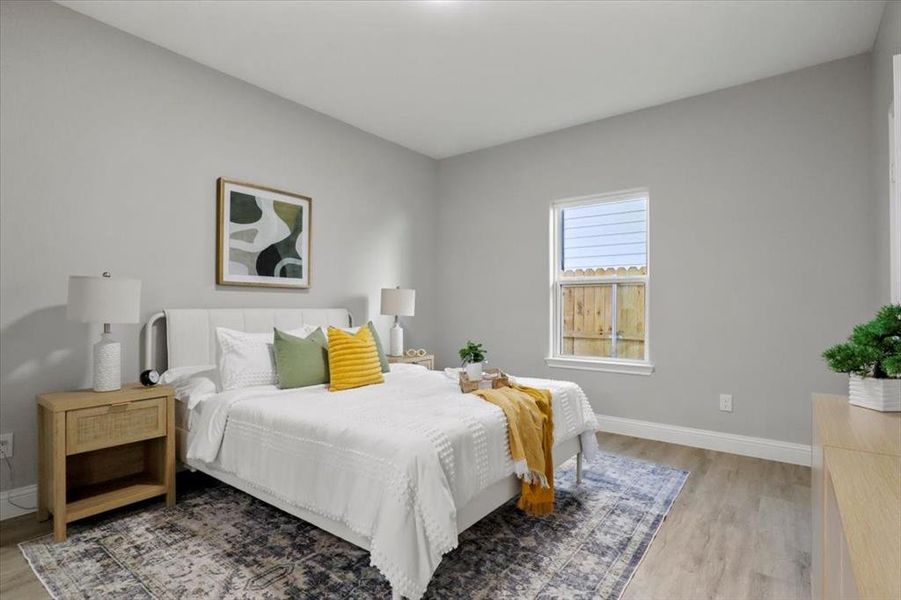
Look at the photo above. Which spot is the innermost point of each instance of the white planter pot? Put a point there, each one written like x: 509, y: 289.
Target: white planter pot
x: 879, y: 394
x: 474, y: 371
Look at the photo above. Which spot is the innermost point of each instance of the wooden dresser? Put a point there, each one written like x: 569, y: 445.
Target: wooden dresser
x: 856, y: 497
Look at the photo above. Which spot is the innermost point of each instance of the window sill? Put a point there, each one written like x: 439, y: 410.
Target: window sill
x: 628, y: 367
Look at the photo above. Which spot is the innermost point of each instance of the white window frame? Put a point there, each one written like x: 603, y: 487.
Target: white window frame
x: 555, y: 358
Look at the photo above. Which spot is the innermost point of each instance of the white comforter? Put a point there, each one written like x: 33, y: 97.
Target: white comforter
x: 392, y: 462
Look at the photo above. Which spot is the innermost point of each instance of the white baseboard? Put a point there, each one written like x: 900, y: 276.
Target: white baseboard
x: 787, y: 452
x: 23, y: 496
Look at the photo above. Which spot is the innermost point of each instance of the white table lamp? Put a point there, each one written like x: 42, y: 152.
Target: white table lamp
x: 399, y: 302
x: 105, y: 300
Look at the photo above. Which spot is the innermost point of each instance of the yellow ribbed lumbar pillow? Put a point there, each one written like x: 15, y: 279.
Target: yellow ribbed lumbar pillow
x: 353, y: 360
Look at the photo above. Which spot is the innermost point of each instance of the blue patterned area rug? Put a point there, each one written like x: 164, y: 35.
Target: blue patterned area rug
x: 218, y: 542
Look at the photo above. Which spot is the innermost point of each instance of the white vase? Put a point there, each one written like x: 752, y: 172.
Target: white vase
x: 474, y: 371
x: 878, y: 394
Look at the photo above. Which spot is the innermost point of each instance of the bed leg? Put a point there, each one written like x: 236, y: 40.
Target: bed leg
x: 579, y: 467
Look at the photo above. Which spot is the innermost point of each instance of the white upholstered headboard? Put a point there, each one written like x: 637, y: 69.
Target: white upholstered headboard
x: 191, y: 332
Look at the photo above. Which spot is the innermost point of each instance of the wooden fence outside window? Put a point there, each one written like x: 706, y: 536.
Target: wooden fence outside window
x: 604, y: 319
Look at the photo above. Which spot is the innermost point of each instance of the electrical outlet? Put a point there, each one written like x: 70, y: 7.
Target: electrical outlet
x: 6, y: 444
x: 726, y: 402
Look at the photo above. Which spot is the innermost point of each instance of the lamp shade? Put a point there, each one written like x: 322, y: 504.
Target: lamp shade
x: 104, y: 299
x: 398, y: 301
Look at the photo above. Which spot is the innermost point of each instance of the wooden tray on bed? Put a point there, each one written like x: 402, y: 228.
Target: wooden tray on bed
x: 491, y: 379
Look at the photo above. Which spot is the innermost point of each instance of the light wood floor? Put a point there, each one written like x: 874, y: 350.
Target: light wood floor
x: 739, y: 529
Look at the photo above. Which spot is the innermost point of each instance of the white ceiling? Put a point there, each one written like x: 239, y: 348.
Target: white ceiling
x: 448, y: 77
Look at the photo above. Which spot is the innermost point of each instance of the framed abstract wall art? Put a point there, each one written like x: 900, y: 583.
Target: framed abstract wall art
x: 263, y: 238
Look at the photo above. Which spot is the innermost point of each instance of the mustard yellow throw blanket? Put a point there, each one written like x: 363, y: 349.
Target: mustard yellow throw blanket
x: 531, y: 433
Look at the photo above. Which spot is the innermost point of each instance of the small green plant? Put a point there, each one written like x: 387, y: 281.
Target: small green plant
x: 472, y: 353
x: 874, y: 348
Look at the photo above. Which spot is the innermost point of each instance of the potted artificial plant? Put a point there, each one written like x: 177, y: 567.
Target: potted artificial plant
x: 472, y: 355
x: 872, y: 356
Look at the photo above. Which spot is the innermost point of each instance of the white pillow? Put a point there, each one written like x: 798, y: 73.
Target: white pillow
x: 247, y: 359
x: 192, y: 384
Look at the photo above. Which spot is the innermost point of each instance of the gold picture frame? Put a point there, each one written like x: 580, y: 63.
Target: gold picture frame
x: 263, y: 236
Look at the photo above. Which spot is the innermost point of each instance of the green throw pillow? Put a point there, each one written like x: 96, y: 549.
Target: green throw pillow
x: 383, y: 360
x: 301, y: 361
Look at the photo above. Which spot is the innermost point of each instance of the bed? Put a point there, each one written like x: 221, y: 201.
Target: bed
x: 399, y: 468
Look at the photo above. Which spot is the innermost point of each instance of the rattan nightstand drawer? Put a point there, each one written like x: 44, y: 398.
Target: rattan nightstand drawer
x: 94, y: 428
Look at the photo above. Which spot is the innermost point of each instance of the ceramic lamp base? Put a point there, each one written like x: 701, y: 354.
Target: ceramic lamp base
x: 107, y: 364
x: 396, y: 343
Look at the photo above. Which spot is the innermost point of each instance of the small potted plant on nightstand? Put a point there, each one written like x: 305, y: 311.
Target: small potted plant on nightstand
x: 872, y: 356
x: 472, y: 355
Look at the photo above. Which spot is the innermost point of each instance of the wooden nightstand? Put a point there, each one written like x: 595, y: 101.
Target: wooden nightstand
x: 101, y: 450
x: 427, y: 361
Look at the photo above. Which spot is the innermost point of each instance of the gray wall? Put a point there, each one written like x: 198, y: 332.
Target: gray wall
x: 762, y: 252
x: 888, y: 43
x: 109, y: 156
x: 761, y: 248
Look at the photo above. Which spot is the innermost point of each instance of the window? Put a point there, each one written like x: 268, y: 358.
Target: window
x: 599, y: 287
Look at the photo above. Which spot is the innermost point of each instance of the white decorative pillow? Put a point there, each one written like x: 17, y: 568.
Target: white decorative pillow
x: 247, y: 359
